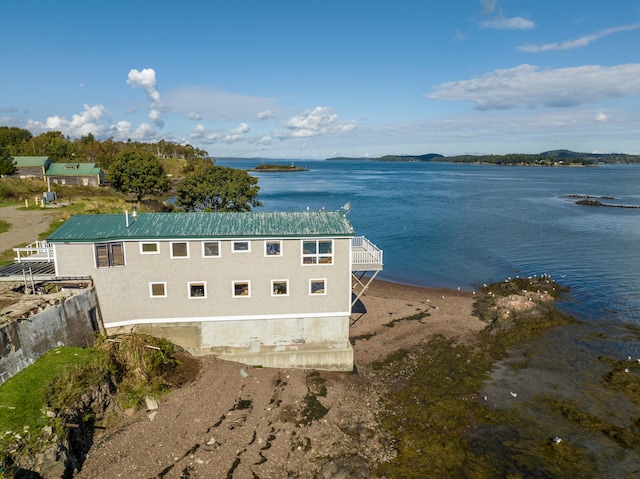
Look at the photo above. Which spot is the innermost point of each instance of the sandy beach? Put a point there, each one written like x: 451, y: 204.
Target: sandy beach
x: 242, y: 422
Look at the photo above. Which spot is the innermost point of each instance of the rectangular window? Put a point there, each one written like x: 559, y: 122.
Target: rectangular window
x: 210, y: 249
x: 241, y: 289
x: 317, y: 252
x: 109, y: 254
x: 273, y: 248
x: 280, y: 287
x: 180, y: 250
x: 317, y: 286
x: 198, y: 290
x: 241, y: 247
x: 149, y: 248
x: 158, y: 290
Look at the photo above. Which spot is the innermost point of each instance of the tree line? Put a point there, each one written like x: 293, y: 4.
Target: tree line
x: 136, y: 169
x: 20, y: 142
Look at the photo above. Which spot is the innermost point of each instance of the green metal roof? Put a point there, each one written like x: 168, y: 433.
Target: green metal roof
x: 30, y: 161
x: 159, y: 226
x: 72, y: 169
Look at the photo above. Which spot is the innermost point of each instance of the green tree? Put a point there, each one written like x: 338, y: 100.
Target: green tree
x: 6, y: 163
x: 218, y: 188
x: 139, y: 173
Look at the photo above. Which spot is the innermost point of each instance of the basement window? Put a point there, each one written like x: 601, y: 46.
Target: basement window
x: 317, y: 286
x: 280, y: 287
x: 241, y: 289
x: 197, y: 290
x: 158, y: 290
x: 109, y: 254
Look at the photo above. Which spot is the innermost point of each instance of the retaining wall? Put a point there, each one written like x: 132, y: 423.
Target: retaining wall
x: 73, y: 322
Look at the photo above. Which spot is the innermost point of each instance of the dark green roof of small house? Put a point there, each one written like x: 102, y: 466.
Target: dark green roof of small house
x: 30, y: 161
x: 73, y: 169
x: 162, y: 226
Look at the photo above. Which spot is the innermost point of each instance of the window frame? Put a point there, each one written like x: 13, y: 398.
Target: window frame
x: 212, y: 256
x: 179, y: 242
x: 311, y: 281
x: 233, y: 246
x: 190, y: 284
x: 238, y: 282
x: 111, y: 256
x: 154, y: 296
x: 266, y: 248
x: 317, y: 256
x: 156, y: 243
x: 274, y: 281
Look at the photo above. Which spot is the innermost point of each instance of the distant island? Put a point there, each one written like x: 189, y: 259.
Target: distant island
x: 274, y: 167
x: 547, y: 158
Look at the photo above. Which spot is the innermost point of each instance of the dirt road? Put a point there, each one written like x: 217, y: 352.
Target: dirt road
x: 26, y: 225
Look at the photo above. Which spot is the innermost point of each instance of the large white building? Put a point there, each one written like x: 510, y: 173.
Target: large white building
x: 269, y: 289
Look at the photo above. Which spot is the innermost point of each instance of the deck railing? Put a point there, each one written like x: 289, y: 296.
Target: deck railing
x: 36, y: 251
x: 364, y: 251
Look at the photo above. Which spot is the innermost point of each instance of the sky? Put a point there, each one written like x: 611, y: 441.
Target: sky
x: 314, y: 80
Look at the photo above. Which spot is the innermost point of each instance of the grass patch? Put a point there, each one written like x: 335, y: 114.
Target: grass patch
x: 4, y: 226
x: 56, y: 388
x: 25, y: 397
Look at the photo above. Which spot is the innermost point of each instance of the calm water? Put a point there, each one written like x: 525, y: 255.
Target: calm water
x: 464, y: 225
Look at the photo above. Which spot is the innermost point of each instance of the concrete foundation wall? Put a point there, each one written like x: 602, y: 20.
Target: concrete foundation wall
x: 73, y: 322
x: 311, y: 342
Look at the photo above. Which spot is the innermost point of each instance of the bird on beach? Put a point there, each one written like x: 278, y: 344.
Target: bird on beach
x: 513, y: 394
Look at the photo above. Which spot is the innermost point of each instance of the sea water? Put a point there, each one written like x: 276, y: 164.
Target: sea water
x: 459, y: 226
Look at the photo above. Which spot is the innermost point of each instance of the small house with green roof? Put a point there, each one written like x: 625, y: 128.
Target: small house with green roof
x: 263, y: 288
x: 31, y: 166
x: 83, y: 174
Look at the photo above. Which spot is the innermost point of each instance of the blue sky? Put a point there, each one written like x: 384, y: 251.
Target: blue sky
x: 303, y: 79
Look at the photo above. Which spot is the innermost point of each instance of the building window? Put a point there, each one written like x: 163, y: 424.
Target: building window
x: 149, y: 248
x: 109, y: 254
x: 180, y: 250
x: 273, y: 248
x: 210, y: 249
x: 158, y: 290
x: 317, y: 286
x: 197, y: 290
x: 317, y: 252
x: 280, y: 287
x: 241, y: 289
x: 241, y: 247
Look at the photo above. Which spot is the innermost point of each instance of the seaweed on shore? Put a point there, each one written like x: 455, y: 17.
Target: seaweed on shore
x: 444, y: 428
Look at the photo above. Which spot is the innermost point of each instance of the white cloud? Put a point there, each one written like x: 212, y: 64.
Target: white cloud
x: 237, y: 134
x: 265, y: 115
x: 527, y: 85
x: 320, y: 120
x: 503, y: 23
x: 146, y: 81
x: 488, y: 6
x: 194, y: 116
x: 81, y: 124
x: 215, y: 105
x: 602, y: 116
x: 208, y: 137
x: 578, y: 42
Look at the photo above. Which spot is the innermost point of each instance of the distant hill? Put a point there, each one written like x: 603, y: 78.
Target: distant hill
x: 547, y: 158
x: 427, y: 157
